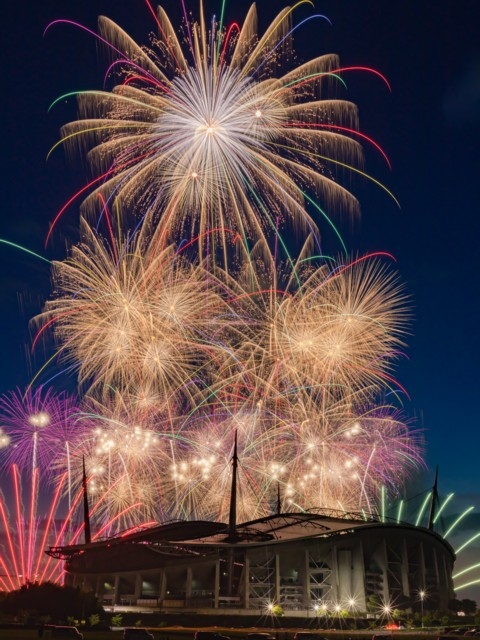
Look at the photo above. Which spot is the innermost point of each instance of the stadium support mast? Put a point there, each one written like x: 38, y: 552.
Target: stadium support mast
x: 433, y: 504
x: 86, y: 511
x: 232, y: 521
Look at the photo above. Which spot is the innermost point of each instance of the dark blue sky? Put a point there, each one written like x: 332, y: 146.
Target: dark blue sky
x: 429, y: 125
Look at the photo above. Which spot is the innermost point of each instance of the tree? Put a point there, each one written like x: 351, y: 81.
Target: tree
x: 35, y: 601
x: 468, y: 606
x: 397, y: 614
x: 116, y: 620
x: 373, y: 603
x: 277, y: 610
x: 93, y: 619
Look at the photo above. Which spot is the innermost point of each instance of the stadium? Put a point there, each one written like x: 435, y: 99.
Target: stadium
x: 324, y: 561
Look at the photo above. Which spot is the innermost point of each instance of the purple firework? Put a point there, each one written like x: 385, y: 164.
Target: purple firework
x: 38, y: 429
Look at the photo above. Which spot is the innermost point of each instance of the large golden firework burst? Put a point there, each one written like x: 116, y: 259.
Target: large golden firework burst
x: 216, y: 141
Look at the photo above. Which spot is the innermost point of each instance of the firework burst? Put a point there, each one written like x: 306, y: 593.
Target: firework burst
x: 217, y: 141
x: 123, y: 446
x: 294, y: 370
x: 38, y: 427
x: 337, y: 327
x: 131, y: 320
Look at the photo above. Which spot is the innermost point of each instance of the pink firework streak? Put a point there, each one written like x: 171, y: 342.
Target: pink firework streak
x: 26, y: 534
x: 27, y: 531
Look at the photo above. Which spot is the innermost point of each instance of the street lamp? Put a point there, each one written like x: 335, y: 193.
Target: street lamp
x: 316, y: 608
x: 421, y: 595
x: 324, y: 612
x: 387, y: 610
x: 352, y: 605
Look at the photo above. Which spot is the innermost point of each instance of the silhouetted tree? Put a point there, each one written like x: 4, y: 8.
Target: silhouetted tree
x: 466, y: 605
x: 50, y: 601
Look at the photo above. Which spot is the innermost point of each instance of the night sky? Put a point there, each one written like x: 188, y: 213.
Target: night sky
x: 429, y: 126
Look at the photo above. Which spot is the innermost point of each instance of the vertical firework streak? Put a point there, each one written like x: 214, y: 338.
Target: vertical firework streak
x: 23, y: 559
x: 26, y: 561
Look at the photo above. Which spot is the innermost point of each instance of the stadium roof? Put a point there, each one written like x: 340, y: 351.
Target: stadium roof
x: 270, y: 529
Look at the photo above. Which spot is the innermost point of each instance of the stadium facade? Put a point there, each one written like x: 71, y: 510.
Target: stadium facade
x: 301, y: 561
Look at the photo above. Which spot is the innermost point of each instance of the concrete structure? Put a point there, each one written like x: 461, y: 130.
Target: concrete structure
x: 302, y: 561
